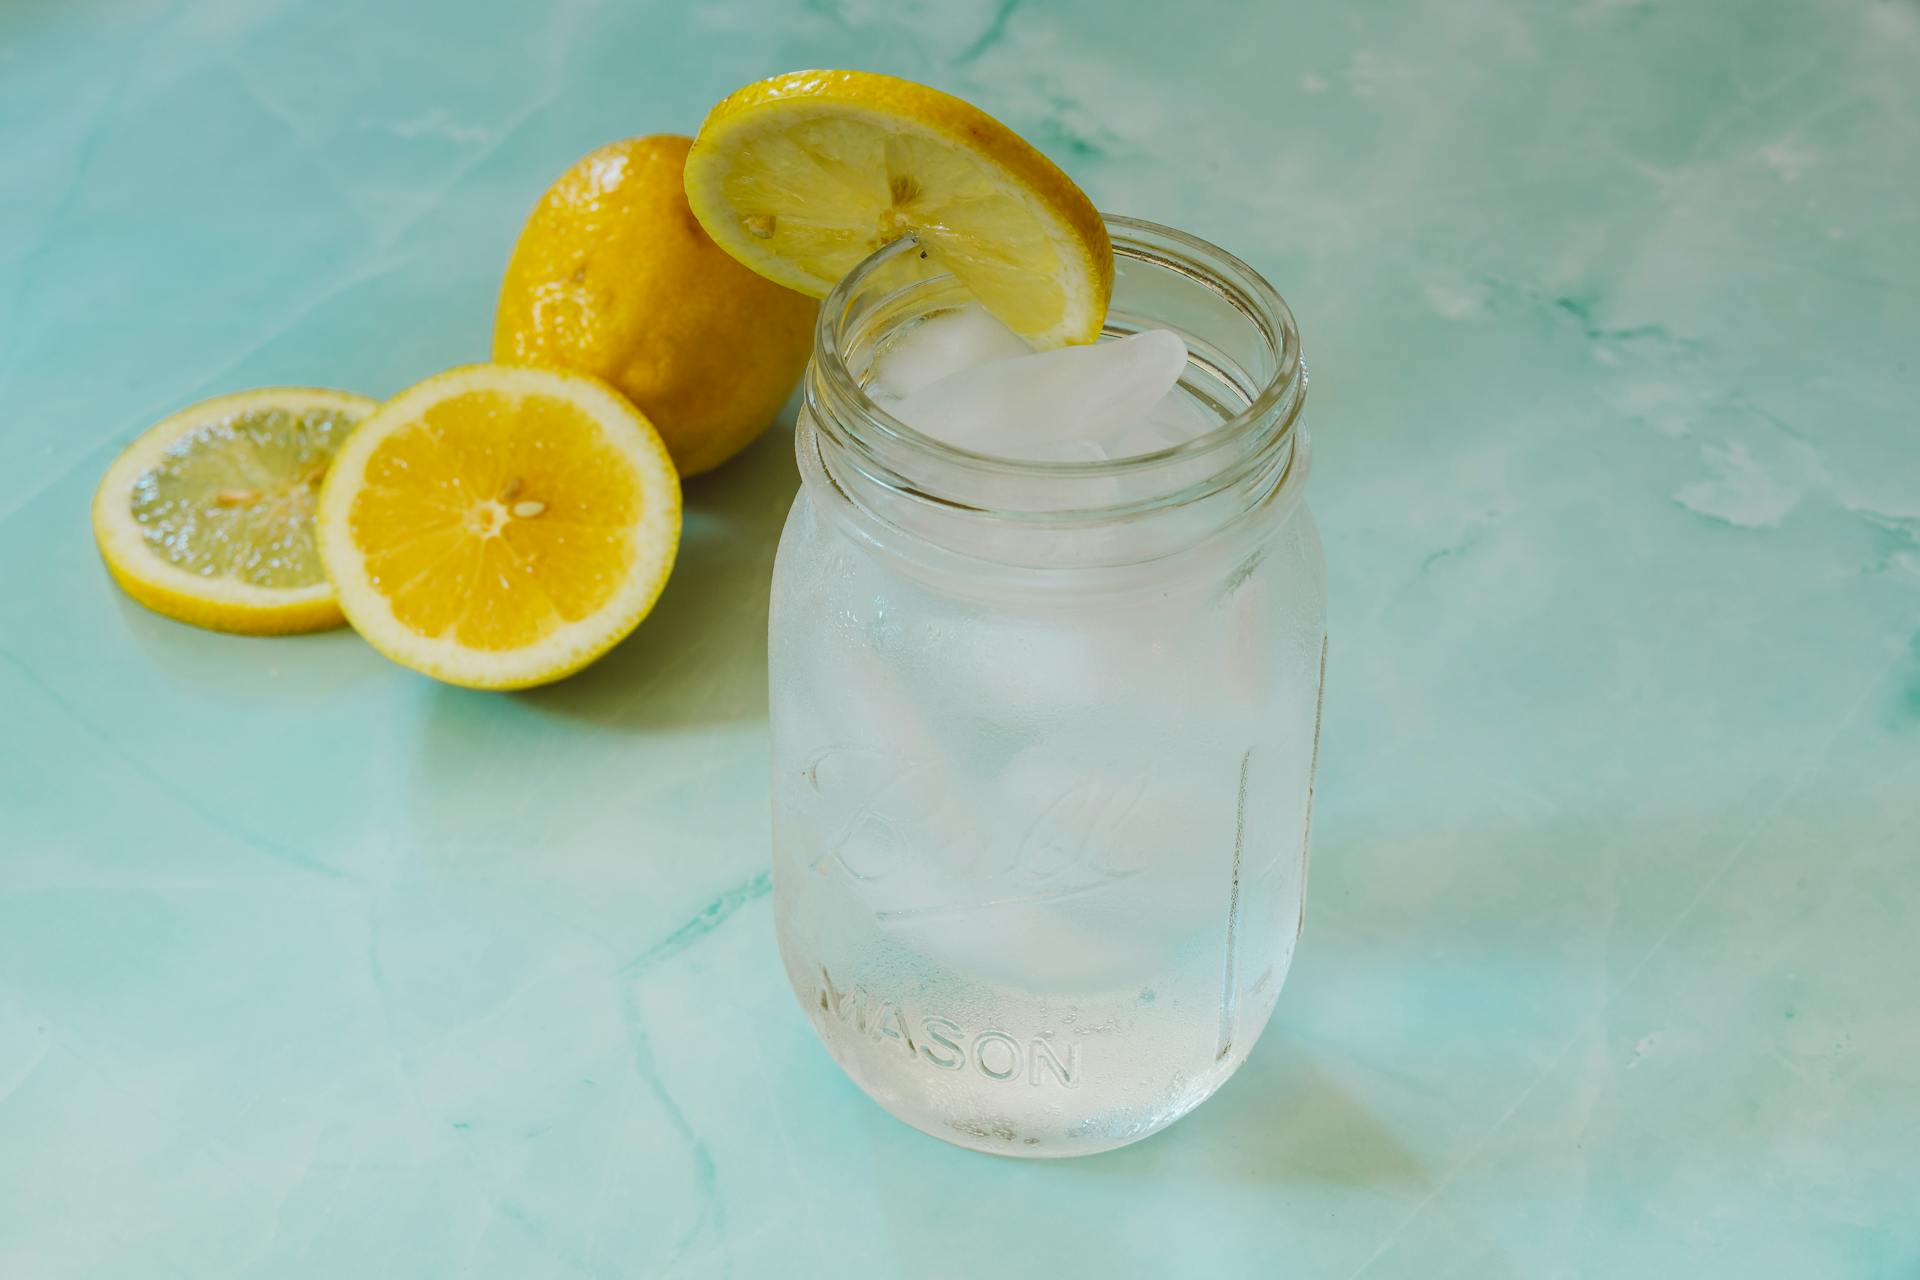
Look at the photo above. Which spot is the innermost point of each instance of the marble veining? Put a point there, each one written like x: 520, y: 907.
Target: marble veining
x: 309, y: 967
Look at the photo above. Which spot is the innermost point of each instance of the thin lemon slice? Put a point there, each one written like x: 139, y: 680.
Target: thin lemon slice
x: 500, y: 527
x: 208, y: 516
x: 802, y: 176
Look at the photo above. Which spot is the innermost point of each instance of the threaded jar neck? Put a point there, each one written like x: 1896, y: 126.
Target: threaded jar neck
x: 899, y: 484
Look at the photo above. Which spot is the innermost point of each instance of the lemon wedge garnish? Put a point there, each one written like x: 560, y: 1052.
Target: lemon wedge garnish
x: 802, y: 176
x: 500, y: 527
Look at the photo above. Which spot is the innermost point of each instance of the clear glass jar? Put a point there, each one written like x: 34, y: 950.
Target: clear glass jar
x: 1044, y: 734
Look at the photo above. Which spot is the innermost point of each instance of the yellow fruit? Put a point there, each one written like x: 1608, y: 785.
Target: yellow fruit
x: 802, y: 176
x: 500, y: 527
x: 208, y: 516
x: 613, y: 277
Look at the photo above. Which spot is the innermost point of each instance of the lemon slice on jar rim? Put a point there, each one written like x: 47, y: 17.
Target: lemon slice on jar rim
x: 802, y: 176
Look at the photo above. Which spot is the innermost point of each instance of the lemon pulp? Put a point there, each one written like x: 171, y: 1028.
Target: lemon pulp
x: 445, y: 546
x: 208, y: 516
x: 234, y: 499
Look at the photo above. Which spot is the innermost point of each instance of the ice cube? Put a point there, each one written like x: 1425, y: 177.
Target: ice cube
x: 1177, y: 419
x: 1050, y: 406
x: 941, y: 345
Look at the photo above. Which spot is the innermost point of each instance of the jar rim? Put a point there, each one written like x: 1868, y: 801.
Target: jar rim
x: 1152, y: 243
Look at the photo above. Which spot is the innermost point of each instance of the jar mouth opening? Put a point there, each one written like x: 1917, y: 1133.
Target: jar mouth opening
x: 1272, y: 407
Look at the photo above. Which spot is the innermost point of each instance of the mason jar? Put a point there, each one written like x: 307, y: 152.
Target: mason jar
x: 1044, y: 733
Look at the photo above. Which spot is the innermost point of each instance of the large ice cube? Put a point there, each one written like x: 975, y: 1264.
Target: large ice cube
x: 1177, y: 419
x: 938, y: 346
x: 1074, y: 404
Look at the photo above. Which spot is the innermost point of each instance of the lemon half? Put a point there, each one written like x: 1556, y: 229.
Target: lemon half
x: 208, y: 516
x: 804, y: 175
x: 500, y: 527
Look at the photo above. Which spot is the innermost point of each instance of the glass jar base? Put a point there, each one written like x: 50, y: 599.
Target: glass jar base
x: 1018, y: 1126
x: 996, y: 1136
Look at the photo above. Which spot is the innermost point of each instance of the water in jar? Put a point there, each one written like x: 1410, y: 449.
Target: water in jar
x: 1041, y: 853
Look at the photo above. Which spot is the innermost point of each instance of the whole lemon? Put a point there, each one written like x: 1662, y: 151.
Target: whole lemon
x: 613, y: 276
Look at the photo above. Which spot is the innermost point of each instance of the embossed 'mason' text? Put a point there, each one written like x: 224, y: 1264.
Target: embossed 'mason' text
x: 942, y: 1043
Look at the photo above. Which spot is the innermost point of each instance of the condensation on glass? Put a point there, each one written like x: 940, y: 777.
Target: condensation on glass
x: 1044, y: 734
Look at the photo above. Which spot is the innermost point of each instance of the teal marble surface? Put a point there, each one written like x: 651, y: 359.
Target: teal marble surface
x: 311, y: 967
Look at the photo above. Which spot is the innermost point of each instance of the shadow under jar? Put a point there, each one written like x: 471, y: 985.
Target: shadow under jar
x: 1044, y: 733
